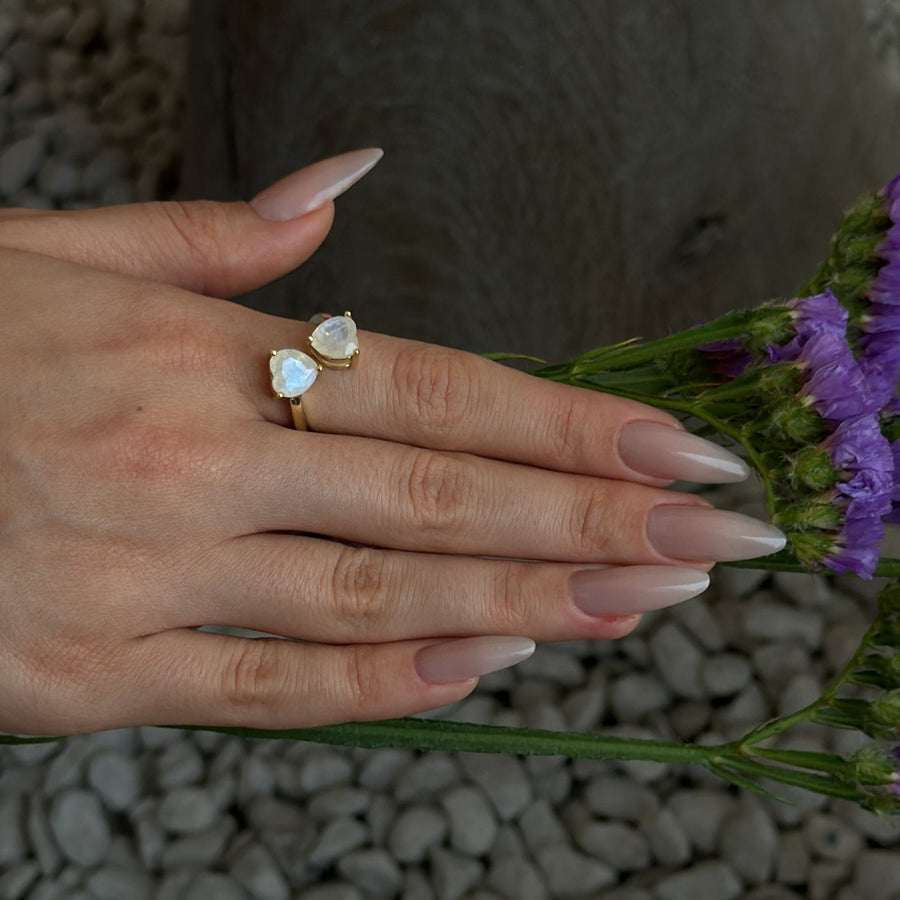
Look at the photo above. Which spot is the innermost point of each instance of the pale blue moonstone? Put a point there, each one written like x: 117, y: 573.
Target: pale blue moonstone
x: 293, y: 372
x: 336, y: 338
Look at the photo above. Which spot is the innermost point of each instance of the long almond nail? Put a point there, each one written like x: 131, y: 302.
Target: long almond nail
x: 626, y: 590
x: 460, y: 659
x: 664, y: 451
x: 697, y: 532
x: 307, y: 189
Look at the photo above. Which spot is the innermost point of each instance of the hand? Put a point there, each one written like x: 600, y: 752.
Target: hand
x: 150, y: 483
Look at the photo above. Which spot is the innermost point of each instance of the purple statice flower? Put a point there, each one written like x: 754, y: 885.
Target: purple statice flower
x: 880, y: 341
x: 812, y: 316
x: 859, y: 449
x: 865, y: 457
x: 834, y: 381
x: 856, y: 548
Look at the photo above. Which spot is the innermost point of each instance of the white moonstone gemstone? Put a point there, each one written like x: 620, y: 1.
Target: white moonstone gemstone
x: 335, y: 338
x: 293, y: 372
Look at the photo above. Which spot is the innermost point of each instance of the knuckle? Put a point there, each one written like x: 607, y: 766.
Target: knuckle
x: 257, y: 678
x: 360, y: 588
x: 566, y: 431
x: 589, y: 521
x: 437, y: 492
x: 362, y: 687
x: 437, y: 386
x: 513, y: 612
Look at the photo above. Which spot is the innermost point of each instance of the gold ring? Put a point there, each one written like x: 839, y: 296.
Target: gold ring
x: 332, y: 345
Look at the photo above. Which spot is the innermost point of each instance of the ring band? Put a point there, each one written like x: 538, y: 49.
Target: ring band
x: 332, y: 345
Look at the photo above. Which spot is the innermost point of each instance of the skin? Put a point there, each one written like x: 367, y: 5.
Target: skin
x: 150, y: 483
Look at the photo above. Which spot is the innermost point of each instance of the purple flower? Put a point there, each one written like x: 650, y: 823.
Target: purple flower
x: 862, y: 453
x: 834, y: 381
x: 860, y: 450
x: 819, y: 314
x: 856, y: 547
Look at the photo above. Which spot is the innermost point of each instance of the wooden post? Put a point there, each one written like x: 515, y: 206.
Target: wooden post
x: 558, y: 173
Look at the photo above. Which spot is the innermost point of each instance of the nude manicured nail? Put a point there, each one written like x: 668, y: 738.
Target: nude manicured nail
x: 460, y: 659
x: 626, y: 590
x: 664, y: 451
x: 696, y: 532
x: 308, y: 189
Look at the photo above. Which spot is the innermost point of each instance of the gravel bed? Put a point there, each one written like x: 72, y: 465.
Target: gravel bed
x: 90, y: 102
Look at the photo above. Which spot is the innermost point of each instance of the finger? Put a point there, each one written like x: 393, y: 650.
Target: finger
x: 409, y: 498
x: 219, y: 249
x: 329, y: 592
x: 211, y: 679
x: 446, y: 399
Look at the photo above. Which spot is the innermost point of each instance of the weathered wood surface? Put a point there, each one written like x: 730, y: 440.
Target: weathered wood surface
x: 558, y: 173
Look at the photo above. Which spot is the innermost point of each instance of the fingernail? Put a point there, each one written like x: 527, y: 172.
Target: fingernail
x: 308, y: 189
x: 625, y: 590
x: 664, y: 451
x: 696, y: 532
x: 463, y: 658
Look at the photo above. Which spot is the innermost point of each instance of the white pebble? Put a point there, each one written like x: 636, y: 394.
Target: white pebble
x: 472, y: 821
x: 80, y: 827
x: 186, y: 809
x: 712, y: 880
x: 749, y: 842
x: 414, y: 832
x: 258, y: 873
x: 116, y: 778
x: 503, y: 780
x: 572, y: 874
x: 677, y: 659
x: 372, y: 870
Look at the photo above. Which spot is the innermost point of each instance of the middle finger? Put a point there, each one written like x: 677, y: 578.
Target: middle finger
x: 410, y: 498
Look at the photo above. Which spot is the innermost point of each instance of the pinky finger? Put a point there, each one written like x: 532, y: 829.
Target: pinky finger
x: 198, y: 678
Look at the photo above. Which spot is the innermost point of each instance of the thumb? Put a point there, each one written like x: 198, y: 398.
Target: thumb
x: 219, y: 249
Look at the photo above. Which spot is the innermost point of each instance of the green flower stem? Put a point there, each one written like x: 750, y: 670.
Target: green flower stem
x: 431, y: 734
x: 820, y: 784
x: 785, y: 561
x: 830, y: 763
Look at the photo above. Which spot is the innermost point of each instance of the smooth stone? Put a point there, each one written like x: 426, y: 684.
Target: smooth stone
x: 503, y: 780
x: 213, y: 884
x: 414, y: 832
x: 339, y: 836
x: 16, y: 880
x: 293, y: 372
x: 615, y: 844
x: 335, y: 338
x: 517, y: 878
x: 116, y: 778
x: 117, y: 882
x: 256, y: 871
x: 186, y: 809
x: 711, y: 880
x: 372, y: 870
x: 571, y: 874
x: 473, y: 825
x: 80, y: 827
x: 749, y: 842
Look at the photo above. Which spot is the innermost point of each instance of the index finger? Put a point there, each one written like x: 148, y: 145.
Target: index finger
x: 444, y: 399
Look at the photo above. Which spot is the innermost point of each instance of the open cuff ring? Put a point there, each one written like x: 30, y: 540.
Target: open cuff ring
x: 332, y: 345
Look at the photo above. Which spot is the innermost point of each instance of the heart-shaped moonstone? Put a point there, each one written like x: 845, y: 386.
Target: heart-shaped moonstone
x: 335, y: 338
x: 293, y: 372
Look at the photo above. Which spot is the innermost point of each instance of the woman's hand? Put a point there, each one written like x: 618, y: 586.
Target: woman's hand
x: 441, y: 512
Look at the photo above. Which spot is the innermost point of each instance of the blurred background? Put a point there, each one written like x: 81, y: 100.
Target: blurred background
x: 557, y: 176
